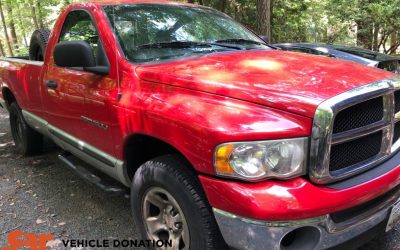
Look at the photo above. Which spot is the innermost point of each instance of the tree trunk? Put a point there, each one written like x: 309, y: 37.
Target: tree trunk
x: 2, y: 49
x: 376, y: 37
x: 3, y: 21
x: 40, y: 16
x: 394, y: 43
x: 222, y: 5
x: 11, y: 24
x: 22, y: 27
x: 364, y: 34
x: 33, y: 15
x: 264, y: 14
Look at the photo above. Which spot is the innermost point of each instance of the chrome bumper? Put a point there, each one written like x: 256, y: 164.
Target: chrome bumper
x: 315, y: 233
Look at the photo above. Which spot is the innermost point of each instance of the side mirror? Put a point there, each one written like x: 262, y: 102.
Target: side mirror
x: 77, y: 54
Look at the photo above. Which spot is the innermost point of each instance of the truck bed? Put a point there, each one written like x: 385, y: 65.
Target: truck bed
x: 23, y: 77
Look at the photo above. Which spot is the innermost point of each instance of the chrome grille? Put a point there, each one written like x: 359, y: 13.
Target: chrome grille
x: 355, y: 131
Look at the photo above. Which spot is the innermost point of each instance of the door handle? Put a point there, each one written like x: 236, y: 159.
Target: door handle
x: 51, y: 84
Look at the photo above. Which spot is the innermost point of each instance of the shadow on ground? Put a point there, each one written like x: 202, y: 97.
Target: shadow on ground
x: 39, y: 195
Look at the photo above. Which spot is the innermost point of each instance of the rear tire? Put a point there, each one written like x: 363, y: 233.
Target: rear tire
x: 165, y: 193
x: 38, y: 44
x: 27, y: 141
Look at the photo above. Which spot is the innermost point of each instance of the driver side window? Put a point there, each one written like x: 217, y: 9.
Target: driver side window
x: 78, y: 26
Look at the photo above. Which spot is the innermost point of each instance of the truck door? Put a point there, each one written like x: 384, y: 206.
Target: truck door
x: 78, y: 102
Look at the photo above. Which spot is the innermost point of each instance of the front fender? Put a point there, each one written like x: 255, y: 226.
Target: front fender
x: 195, y: 122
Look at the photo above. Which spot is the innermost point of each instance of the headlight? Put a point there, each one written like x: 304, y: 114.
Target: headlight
x: 252, y: 161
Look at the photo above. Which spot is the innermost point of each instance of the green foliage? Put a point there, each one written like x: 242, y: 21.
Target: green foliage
x: 291, y: 21
x: 24, y: 51
x: 367, y: 23
x: 27, y: 16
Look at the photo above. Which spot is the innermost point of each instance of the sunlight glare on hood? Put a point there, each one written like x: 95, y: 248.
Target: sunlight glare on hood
x: 262, y: 64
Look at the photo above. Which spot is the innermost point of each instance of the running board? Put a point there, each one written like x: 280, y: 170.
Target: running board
x: 91, y: 177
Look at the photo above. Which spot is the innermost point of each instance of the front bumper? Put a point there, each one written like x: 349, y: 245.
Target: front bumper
x: 315, y: 233
x: 264, y: 215
x: 298, y: 198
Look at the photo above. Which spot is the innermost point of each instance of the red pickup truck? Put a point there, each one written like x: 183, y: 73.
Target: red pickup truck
x: 222, y: 140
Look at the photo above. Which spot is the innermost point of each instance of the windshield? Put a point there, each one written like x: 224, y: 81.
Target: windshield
x: 152, y: 32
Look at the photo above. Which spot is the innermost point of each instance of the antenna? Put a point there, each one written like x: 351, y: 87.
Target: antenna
x: 119, y: 95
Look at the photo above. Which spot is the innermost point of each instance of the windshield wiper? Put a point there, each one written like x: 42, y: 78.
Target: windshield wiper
x: 239, y: 40
x: 174, y: 44
x: 183, y: 44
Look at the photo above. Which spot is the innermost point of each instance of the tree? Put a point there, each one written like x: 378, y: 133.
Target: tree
x: 2, y: 49
x: 364, y: 34
x: 291, y: 21
x: 365, y: 24
x: 375, y: 21
x: 33, y: 14
x: 3, y: 21
x: 264, y: 20
x: 369, y: 23
x: 21, y: 26
x: 394, y: 43
x: 40, y: 15
x: 11, y: 25
x: 222, y: 6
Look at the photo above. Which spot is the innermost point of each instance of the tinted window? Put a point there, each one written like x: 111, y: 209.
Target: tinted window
x: 78, y: 26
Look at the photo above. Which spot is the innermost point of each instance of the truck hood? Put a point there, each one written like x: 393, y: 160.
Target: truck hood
x: 289, y: 81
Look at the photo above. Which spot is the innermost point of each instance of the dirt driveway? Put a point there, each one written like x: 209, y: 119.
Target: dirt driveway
x: 39, y: 195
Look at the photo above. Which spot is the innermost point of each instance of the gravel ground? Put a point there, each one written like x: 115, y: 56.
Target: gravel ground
x: 39, y: 195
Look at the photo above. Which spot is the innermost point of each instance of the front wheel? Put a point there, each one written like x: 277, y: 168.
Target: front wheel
x: 169, y: 205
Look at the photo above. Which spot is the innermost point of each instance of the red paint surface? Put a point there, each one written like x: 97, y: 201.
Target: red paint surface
x: 289, y: 81
x: 294, y: 199
x: 196, y: 104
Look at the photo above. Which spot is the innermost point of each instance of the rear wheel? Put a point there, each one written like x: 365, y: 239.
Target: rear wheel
x: 27, y: 140
x: 169, y: 204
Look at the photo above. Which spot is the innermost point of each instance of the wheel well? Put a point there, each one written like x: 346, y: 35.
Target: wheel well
x: 142, y: 148
x: 8, y: 96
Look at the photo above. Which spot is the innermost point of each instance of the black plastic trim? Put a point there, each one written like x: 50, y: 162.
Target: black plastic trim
x: 379, y: 170
x: 92, y: 177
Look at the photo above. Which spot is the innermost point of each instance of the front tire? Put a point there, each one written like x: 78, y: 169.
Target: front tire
x: 168, y: 203
x: 27, y: 141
